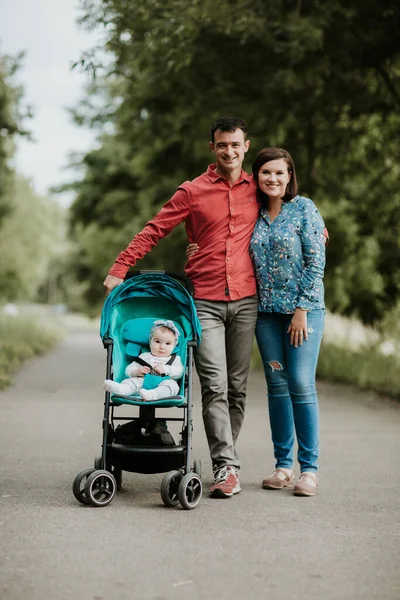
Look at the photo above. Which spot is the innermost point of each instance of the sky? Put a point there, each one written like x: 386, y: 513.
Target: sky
x: 46, y: 30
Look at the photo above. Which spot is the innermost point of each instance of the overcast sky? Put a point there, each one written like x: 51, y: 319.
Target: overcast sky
x: 46, y: 30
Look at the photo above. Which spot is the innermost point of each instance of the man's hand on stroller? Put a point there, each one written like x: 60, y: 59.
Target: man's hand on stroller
x: 111, y: 282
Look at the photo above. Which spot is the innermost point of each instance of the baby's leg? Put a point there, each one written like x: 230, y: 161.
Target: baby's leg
x: 166, y: 389
x: 127, y: 387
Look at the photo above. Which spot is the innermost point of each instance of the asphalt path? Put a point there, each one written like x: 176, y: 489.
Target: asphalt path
x: 342, y: 544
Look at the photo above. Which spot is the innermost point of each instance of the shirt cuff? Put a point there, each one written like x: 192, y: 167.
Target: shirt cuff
x: 118, y: 270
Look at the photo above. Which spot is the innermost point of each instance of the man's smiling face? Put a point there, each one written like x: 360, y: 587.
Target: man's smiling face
x: 229, y: 148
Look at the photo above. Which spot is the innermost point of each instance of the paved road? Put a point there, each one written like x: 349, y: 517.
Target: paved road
x: 343, y: 544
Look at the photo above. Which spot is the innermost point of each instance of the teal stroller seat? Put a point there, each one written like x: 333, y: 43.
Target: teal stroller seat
x: 142, y: 443
x: 131, y: 340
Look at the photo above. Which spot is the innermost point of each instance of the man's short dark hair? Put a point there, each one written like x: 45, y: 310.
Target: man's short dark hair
x: 228, y: 124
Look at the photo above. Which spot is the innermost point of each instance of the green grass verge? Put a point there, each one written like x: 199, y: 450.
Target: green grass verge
x: 365, y: 368
x: 22, y: 338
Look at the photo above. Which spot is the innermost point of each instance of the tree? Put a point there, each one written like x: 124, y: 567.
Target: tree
x: 320, y: 79
x: 32, y: 238
x: 10, y: 124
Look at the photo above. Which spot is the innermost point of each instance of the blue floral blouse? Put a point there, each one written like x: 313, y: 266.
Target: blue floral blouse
x: 289, y: 257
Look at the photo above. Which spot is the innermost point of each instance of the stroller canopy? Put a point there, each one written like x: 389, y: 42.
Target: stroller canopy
x: 151, y: 286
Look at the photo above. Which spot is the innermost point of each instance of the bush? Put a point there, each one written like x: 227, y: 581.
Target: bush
x: 366, y: 367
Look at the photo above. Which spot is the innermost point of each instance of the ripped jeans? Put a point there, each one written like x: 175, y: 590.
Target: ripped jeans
x: 292, y: 397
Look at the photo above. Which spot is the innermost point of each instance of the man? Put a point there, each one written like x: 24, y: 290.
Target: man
x: 219, y: 209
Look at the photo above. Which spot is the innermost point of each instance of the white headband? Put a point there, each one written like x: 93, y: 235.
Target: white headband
x: 163, y: 323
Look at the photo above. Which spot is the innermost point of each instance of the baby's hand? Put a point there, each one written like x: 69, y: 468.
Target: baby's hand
x: 143, y: 371
x: 159, y: 368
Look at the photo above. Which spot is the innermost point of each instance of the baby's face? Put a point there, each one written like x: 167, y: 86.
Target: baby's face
x: 162, y: 343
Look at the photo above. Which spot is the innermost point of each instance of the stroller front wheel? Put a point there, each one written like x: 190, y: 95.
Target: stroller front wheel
x: 190, y: 491
x: 169, y: 488
x: 100, y: 488
x: 78, y: 486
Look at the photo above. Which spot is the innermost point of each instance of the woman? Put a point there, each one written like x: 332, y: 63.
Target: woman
x: 288, y: 251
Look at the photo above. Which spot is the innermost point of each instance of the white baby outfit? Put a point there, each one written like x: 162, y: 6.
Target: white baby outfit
x: 167, y: 387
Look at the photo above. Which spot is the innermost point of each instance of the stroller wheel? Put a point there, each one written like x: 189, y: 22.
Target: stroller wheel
x: 197, y: 466
x: 190, y: 491
x: 78, y: 486
x: 100, y: 488
x: 169, y: 488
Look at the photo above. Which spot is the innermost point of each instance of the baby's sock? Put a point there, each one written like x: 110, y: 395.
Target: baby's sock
x: 126, y: 389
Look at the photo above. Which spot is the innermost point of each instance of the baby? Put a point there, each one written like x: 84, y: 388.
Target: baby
x: 161, y: 367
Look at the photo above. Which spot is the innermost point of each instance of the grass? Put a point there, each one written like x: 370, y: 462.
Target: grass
x: 21, y: 338
x: 364, y: 367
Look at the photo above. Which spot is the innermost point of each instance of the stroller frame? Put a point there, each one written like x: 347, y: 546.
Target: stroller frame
x: 182, y: 482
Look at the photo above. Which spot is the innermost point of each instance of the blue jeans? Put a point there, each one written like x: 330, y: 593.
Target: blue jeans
x: 292, y: 397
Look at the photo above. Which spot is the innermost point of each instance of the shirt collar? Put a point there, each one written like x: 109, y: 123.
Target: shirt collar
x: 285, y: 205
x: 214, y: 177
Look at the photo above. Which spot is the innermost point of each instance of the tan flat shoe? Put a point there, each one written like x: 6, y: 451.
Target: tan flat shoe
x: 307, y: 484
x: 278, y: 480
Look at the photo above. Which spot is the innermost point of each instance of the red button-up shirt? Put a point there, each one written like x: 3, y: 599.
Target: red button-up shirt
x: 220, y: 219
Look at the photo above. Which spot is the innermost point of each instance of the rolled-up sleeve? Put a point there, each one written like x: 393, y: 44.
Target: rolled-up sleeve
x: 175, y: 211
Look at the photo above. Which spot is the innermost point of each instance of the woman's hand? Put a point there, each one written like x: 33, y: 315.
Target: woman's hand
x: 298, y: 327
x: 191, y: 250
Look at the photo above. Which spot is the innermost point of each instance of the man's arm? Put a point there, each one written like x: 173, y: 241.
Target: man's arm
x: 172, y: 213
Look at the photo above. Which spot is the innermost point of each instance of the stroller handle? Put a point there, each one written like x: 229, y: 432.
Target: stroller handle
x: 188, y: 285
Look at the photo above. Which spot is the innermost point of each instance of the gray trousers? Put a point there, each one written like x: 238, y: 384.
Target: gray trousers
x: 222, y: 363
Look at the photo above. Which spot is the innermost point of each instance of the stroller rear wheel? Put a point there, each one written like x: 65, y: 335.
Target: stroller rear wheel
x: 190, y: 491
x: 100, y: 488
x: 169, y: 488
x: 78, y: 486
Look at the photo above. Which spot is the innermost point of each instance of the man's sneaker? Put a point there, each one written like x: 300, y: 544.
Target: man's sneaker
x: 226, y: 483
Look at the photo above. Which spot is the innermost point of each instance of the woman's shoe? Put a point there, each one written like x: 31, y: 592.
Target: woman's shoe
x: 279, y: 479
x: 307, y: 484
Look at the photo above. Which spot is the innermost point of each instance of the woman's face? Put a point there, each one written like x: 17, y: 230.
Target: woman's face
x: 273, y: 178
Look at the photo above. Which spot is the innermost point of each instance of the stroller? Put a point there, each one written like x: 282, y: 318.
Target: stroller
x: 144, y: 444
